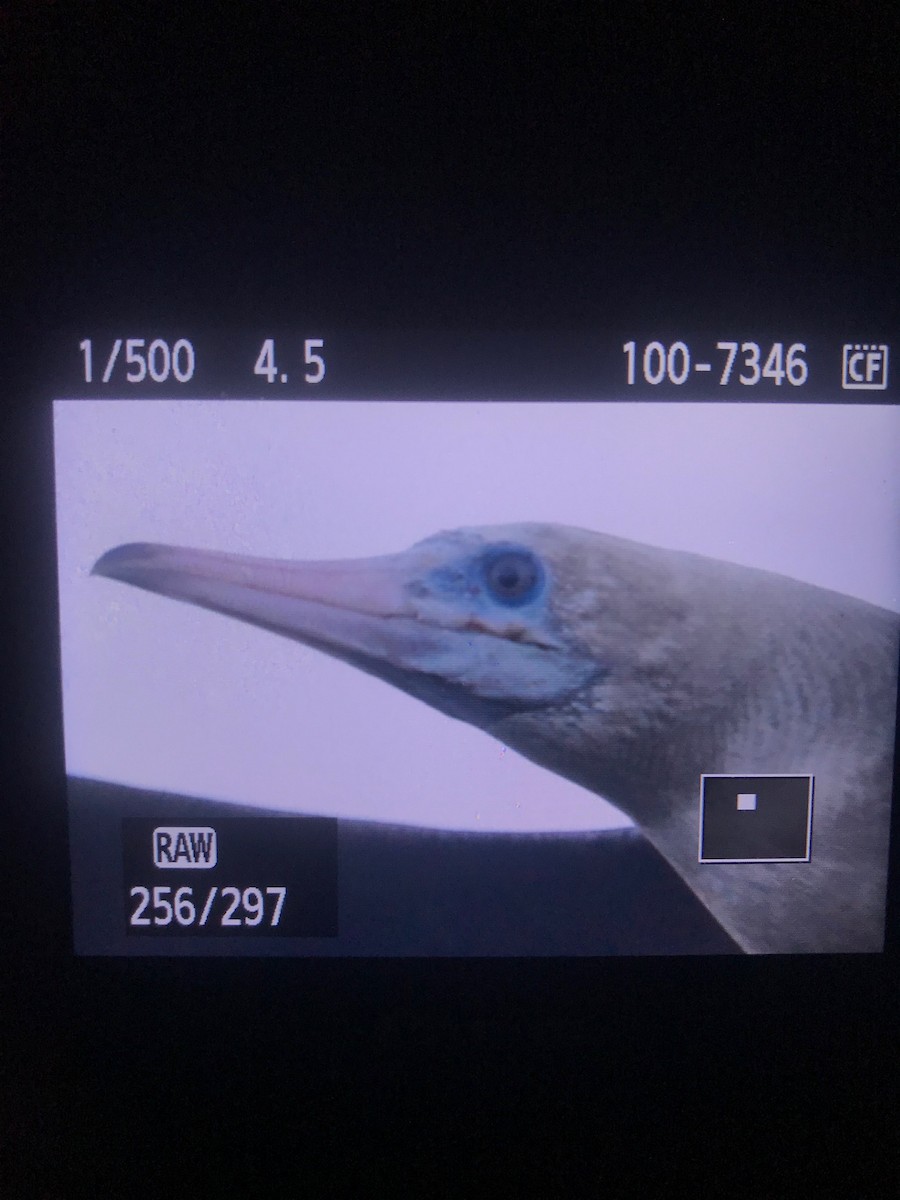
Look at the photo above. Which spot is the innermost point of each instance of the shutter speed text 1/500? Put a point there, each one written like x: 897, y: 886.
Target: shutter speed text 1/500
x: 157, y: 360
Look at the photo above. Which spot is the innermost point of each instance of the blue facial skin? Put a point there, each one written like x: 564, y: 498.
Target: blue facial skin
x: 503, y: 653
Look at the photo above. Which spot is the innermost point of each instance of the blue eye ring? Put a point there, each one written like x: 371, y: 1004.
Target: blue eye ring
x: 513, y: 576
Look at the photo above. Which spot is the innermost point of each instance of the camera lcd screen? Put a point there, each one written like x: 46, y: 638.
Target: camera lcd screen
x: 354, y: 675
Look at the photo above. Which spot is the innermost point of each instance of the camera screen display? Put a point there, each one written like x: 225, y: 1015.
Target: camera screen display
x: 464, y: 666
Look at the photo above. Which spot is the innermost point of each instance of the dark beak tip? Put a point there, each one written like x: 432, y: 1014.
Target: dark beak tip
x: 120, y: 558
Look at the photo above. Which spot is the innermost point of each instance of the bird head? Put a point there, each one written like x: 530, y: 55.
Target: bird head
x: 479, y: 623
x: 568, y: 645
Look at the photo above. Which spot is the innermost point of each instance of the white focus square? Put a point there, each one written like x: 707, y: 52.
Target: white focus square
x: 746, y: 801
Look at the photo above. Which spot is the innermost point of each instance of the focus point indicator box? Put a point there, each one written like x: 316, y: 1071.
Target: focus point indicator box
x: 755, y: 818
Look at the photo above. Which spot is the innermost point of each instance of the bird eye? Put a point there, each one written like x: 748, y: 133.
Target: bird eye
x: 512, y: 576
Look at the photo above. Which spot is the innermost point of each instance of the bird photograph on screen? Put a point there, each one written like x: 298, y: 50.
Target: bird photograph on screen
x: 608, y: 678
x: 630, y: 670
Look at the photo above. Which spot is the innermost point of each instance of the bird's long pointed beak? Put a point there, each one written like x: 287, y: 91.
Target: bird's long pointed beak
x: 381, y: 615
x: 350, y: 609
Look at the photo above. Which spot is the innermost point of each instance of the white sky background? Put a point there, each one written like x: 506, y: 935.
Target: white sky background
x: 161, y: 695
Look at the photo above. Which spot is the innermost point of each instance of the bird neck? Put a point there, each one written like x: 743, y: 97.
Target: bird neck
x: 811, y: 689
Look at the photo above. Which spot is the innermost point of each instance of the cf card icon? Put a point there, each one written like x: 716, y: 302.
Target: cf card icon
x: 865, y: 367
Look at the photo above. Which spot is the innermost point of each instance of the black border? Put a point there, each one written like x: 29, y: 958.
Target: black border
x: 501, y: 171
